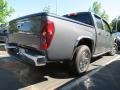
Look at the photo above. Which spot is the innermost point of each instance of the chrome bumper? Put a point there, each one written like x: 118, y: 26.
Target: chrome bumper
x: 37, y: 60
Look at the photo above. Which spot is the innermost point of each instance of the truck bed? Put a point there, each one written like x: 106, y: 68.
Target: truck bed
x: 25, y: 31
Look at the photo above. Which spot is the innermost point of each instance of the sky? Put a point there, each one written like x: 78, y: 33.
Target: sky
x: 25, y: 7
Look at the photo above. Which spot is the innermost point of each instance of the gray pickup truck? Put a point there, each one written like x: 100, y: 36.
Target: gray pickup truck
x: 74, y: 38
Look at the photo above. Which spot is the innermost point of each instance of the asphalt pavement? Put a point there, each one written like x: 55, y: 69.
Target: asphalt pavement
x: 8, y: 81
x: 15, y: 74
x: 107, y: 78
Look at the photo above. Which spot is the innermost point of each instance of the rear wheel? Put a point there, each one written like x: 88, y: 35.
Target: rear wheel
x: 82, y: 59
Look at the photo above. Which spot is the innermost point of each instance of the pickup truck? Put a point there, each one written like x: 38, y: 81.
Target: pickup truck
x: 73, y: 38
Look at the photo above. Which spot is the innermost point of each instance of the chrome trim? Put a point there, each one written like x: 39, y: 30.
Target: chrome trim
x: 33, y: 58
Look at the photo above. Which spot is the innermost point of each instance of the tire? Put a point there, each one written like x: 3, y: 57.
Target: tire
x: 114, y: 50
x: 82, y: 59
x: 12, y: 51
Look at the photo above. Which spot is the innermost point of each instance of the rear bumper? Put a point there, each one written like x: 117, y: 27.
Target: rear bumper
x: 35, y: 59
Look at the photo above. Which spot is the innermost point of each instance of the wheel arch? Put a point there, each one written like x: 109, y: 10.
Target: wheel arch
x: 84, y: 41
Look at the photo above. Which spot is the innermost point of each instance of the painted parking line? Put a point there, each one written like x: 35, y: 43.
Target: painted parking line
x: 3, y: 54
x: 2, y: 44
x: 57, y: 83
x: 95, y: 71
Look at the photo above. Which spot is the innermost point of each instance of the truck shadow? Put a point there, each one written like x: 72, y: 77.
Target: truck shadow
x: 28, y: 74
x: 25, y: 74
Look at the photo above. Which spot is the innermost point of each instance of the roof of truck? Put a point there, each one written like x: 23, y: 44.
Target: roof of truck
x: 41, y: 13
x: 51, y: 14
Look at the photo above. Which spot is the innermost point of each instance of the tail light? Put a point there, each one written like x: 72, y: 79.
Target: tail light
x: 72, y: 14
x: 46, y: 34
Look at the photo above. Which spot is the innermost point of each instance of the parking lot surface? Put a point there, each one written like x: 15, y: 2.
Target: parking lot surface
x: 15, y: 74
x: 106, y: 78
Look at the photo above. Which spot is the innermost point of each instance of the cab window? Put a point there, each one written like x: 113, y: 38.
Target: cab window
x: 106, y: 26
x: 98, y: 22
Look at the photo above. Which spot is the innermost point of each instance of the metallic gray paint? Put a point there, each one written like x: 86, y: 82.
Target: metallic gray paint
x: 67, y: 35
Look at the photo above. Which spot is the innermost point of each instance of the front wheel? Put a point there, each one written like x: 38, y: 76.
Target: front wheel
x: 114, y: 49
x: 82, y: 59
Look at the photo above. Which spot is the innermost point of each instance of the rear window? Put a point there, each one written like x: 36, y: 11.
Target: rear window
x: 81, y: 17
x: 98, y: 22
x: 25, y: 26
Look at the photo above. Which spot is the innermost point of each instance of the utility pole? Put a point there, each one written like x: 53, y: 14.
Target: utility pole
x: 117, y: 24
x: 56, y: 6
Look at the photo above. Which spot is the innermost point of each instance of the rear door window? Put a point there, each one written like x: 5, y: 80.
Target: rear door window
x: 24, y: 26
x: 106, y: 26
x: 98, y: 22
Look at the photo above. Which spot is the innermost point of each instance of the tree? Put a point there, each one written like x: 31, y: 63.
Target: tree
x: 5, y: 11
x: 115, y: 24
x: 96, y: 8
x: 46, y: 9
x: 4, y: 26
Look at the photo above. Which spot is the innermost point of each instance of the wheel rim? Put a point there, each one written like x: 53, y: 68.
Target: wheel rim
x: 84, y: 61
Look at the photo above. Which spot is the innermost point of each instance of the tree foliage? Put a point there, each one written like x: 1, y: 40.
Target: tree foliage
x: 46, y: 9
x: 5, y: 11
x: 97, y: 9
x: 115, y: 24
x: 4, y: 26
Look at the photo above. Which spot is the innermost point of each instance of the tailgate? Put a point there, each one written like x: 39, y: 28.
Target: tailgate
x: 25, y: 31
